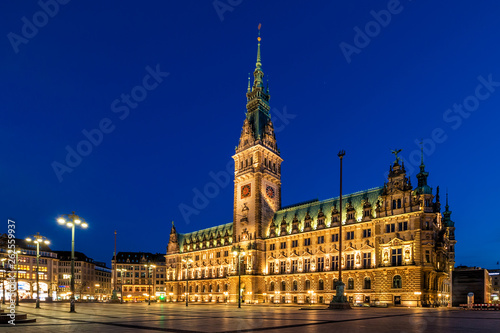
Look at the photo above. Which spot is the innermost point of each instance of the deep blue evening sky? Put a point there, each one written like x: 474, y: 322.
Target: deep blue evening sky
x: 394, y: 89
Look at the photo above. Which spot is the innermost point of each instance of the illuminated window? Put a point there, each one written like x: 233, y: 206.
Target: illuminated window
x: 367, y: 260
x: 271, y: 267
x: 396, y: 257
x: 350, y: 261
x: 350, y: 283
x: 294, y: 266
x: 397, y: 283
x: 402, y: 226
x: 307, y: 265
x: 321, y: 264
x: 282, y: 267
x: 368, y: 283
x: 335, y: 263
x: 294, y: 286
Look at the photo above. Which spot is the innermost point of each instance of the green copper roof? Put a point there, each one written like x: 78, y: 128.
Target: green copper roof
x: 313, y: 208
x: 205, y: 234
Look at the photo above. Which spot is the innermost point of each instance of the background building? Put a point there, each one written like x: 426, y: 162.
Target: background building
x: 48, y: 264
x: 398, y: 247
x: 134, y: 280
x: 495, y: 285
x: 92, y: 279
x: 471, y: 280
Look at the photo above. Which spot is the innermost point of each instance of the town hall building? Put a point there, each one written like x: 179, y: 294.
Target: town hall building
x: 398, y: 248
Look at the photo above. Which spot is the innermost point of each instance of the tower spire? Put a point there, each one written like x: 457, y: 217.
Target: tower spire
x: 249, y: 89
x: 258, y: 64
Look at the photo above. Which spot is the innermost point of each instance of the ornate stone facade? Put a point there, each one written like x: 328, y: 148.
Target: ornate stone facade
x: 398, y: 247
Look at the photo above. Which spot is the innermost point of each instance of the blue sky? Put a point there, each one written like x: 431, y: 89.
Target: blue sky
x: 403, y: 81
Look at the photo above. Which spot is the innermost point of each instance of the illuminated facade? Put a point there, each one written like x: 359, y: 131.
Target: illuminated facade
x: 398, y: 246
x: 134, y: 279
x: 48, y: 266
x: 92, y: 278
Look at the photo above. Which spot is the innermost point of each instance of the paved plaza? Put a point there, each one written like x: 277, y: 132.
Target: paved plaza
x: 137, y: 317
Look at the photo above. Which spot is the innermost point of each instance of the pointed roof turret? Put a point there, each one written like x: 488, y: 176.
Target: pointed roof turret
x: 447, y: 214
x: 422, y: 187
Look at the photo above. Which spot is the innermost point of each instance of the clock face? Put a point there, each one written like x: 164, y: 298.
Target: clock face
x: 270, y: 192
x: 246, y: 191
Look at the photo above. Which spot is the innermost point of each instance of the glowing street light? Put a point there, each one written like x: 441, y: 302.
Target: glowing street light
x: 150, y: 268
x: 71, y: 221
x: 37, y: 239
x: 188, y: 260
x: 238, y: 252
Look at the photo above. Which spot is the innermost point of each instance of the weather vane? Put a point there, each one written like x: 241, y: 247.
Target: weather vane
x: 396, y: 152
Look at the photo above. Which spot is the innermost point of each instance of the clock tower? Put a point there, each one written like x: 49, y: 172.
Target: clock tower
x: 257, y: 182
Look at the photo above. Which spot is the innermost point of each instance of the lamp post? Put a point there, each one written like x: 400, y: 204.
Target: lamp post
x: 38, y: 239
x: 17, y: 275
x: 71, y: 221
x: 150, y: 268
x: 121, y: 270
x: 238, y: 252
x: 4, y: 273
x: 187, y: 260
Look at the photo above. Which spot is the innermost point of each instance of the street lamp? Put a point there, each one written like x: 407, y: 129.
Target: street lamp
x: 71, y: 221
x: 4, y: 273
x: 17, y: 275
x: 238, y: 252
x: 188, y: 260
x: 150, y: 268
x: 38, y: 239
x: 121, y: 270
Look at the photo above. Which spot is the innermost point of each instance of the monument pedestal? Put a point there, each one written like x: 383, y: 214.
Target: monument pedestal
x: 339, y: 301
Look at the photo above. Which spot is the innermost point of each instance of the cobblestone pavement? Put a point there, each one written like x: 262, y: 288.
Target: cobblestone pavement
x: 137, y: 317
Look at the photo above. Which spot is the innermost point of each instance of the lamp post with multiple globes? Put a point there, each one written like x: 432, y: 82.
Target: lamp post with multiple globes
x: 71, y: 221
x: 38, y: 239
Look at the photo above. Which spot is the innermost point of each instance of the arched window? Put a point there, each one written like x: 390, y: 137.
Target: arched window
x: 226, y: 287
x: 210, y: 288
x: 350, y: 283
x: 295, y: 286
x: 308, y: 285
x: 196, y: 290
x: 368, y: 283
x: 321, y: 285
x: 397, y: 282
x: 218, y: 288
x: 190, y: 289
x: 271, y: 286
x: 172, y: 289
x: 283, y: 286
